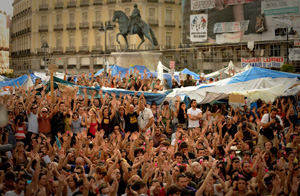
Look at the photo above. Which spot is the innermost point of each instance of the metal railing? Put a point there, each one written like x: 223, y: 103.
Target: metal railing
x: 98, y: 2
x: 43, y: 28
x: 84, y: 25
x: 84, y: 3
x: 111, y: 1
x: 83, y: 48
x: 169, y: 23
x: 43, y: 6
x: 153, y: 1
x: 58, y: 50
x: 170, y: 1
x: 153, y: 22
x: 97, y: 24
x: 71, y: 26
x: 59, y: 5
x: 58, y: 27
x: 97, y: 48
x: 71, y: 4
x: 71, y: 49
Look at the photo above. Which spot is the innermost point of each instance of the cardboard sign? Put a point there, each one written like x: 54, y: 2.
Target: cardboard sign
x: 172, y: 64
x: 236, y: 98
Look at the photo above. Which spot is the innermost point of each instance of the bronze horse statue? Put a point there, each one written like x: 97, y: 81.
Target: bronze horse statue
x: 142, y: 29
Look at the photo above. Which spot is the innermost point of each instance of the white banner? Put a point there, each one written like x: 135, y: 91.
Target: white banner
x: 236, y: 2
x: 263, y: 62
x: 198, y: 28
x: 277, y: 7
x: 202, y: 4
x: 230, y: 27
x: 294, y: 54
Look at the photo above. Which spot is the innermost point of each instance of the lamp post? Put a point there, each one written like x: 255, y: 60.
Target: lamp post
x: 45, y: 46
x: 105, y: 28
x: 287, y: 32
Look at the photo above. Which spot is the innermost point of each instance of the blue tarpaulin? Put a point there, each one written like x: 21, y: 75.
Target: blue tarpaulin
x: 15, y: 81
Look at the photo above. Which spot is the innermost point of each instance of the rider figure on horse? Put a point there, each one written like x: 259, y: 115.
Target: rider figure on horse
x: 135, y: 18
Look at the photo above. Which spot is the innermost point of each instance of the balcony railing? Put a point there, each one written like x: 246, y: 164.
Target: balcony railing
x: 126, y: 1
x: 98, y: 2
x: 71, y: 4
x: 84, y: 3
x: 153, y: 22
x: 153, y: 1
x: 43, y: 7
x: 170, y: 1
x: 58, y: 27
x: 97, y: 24
x: 111, y: 48
x: 169, y: 47
x: 169, y: 23
x: 83, y: 49
x: 71, y: 26
x: 59, y: 5
x: 111, y: 23
x: 97, y: 48
x: 111, y: 1
x: 40, y: 51
x: 43, y: 28
x: 71, y: 49
x: 58, y: 50
x: 84, y: 25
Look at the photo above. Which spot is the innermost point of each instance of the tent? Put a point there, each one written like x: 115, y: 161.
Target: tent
x: 15, y: 81
x: 193, y: 74
x: 225, y: 71
x: 252, y: 79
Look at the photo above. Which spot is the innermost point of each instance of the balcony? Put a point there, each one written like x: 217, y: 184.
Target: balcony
x: 153, y: 22
x: 97, y: 49
x: 58, y: 50
x: 43, y: 28
x: 170, y: 1
x: 43, y: 7
x: 59, y: 5
x: 152, y: 1
x: 84, y: 25
x: 71, y: 49
x: 84, y: 3
x: 169, y: 23
x: 98, y: 2
x: 111, y: 48
x: 126, y: 1
x: 40, y: 51
x: 111, y: 1
x: 71, y: 4
x: 111, y: 23
x: 97, y: 24
x: 84, y: 49
x: 58, y: 27
x: 71, y: 26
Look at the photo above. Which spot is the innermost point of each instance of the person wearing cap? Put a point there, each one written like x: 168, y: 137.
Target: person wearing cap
x: 194, y: 114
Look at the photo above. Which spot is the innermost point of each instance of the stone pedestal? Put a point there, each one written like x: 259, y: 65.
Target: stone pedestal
x: 148, y: 59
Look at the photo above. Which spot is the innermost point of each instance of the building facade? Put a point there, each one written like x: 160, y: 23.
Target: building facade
x: 70, y: 27
x: 4, y: 42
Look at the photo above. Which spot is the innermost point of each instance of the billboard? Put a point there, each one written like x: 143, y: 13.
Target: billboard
x: 234, y: 21
x: 265, y: 62
x: 198, y: 28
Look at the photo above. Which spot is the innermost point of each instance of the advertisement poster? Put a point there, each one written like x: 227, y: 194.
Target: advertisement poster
x: 294, y: 54
x: 198, y: 28
x: 202, y: 4
x: 277, y: 7
x: 230, y: 27
x: 263, y: 62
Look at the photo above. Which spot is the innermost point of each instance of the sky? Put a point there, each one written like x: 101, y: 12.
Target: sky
x: 6, y: 5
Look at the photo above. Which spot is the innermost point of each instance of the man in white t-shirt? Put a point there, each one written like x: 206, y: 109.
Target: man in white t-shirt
x: 194, y: 114
x: 19, y: 188
x: 146, y: 118
x: 270, y: 123
x: 33, y: 126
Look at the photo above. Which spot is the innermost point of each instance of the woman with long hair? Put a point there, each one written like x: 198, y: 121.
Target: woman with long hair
x: 181, y: 114
x: 92, y: 122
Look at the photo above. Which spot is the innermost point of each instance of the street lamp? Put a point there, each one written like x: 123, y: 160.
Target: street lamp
x: 105, y: 28
x: 45, y: 46
x: 287, y: 32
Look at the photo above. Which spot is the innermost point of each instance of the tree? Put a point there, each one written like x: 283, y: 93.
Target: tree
x: 288, y: 68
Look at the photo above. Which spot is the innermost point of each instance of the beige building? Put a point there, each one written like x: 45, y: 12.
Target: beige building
x: 70, y: 27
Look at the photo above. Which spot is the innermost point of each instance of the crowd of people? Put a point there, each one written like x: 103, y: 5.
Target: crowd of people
x: 120, y: 145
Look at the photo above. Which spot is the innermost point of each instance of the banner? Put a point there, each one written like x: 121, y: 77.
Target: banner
x: 202, y: 4
x: 263, y: 62
x: 276, y: 7
x: 198, y: 28
x: 294, y: 54
x: 236, y: 2
x: 230, y: 27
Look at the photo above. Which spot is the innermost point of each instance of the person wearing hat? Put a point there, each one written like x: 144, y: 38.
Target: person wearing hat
x: 202, y: 79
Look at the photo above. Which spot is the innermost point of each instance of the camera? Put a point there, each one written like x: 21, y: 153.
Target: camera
x: 91, y: 145
x: 277, y: 120
x: 244, y: 125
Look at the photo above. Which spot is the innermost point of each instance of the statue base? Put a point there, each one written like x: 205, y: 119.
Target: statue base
x: 147, y: 59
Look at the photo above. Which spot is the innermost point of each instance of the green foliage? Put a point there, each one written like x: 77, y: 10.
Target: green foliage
x: 288, y: 68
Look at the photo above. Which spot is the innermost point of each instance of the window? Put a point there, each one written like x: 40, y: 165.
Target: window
x: 111, y: 39
x: 169, y: 15
x: 43, y: 39
x: 168, y: 39
x: 71, y: 40
x: 152, y: 13
x: 98, y: 16
x: 59, y: 19
x: 98, y: 39
x: 84, y: 16
x: 58, y: 41
x: 274, y: 50
x: 111, y: 13
x: 85, y: 40
x: 72, y: 18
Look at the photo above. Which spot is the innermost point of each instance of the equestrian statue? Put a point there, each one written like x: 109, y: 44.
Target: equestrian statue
x: 134, y: 25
